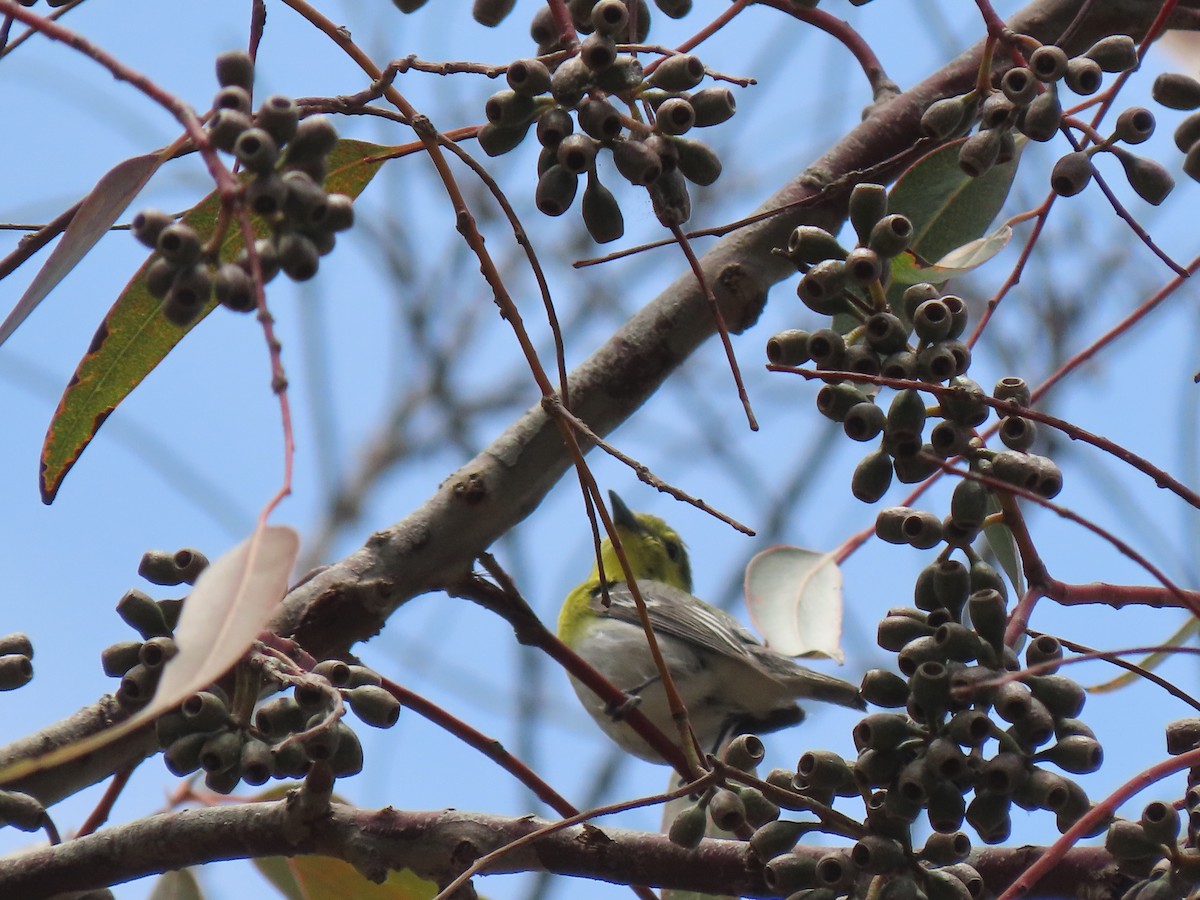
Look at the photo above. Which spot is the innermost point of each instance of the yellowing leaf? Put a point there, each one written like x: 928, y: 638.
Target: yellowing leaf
x: 329, y: 878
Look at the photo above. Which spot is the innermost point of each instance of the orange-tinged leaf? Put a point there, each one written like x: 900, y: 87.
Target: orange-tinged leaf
x: 329, y: 878
x: 99, y: 210
x: 135, y: 337
x: 232, y: 601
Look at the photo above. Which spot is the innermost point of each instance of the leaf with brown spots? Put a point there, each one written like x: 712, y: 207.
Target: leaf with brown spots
x: 135, y: 336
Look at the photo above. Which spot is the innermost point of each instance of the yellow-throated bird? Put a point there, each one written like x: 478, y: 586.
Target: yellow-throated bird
x: 729, y: 682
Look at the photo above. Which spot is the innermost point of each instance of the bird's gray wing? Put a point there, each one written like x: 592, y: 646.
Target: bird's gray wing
x: 680, y: 615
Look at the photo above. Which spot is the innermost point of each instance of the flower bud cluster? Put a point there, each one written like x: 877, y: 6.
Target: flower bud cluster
x: 1182, y: 92
x: 286, y: 161
x: 601, y: 99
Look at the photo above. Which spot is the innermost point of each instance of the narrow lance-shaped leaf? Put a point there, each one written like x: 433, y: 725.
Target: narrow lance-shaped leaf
x: 135, y: 336
x: 96, y: 214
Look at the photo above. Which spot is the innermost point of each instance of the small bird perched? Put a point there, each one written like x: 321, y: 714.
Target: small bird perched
x: 729, y: 682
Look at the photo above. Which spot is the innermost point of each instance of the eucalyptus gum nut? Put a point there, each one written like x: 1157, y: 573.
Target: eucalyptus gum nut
x: 1084, y: 76
x: 670, y: 199
x: 902, y: 364
x: 1129, y: 840
x: 860, y: 359
x: 1015, y: 468
x: 298, y: 257
x: 826, y: 348
x: 868, y: 204
x: 676, y: 9
x: 1191, y: 162
x: 929, y: 687
x: 944, y: 117
x: 821, y: 288
x: 508, y: 109
x: 235, y: 68
x: 1149, y: 179
x: 137, y: 687
x: 279, y: 716
x: 788, y: 873
x: 1019, y: 85
x: 997, y: 113
x: 882, y: 731
x: 962, y: 356
x: 891, y: 235
x: 1176, y: 91
x: 266, y: 194
x: 674, y: 116
x: 968, y: 503
x: 697, y: 161
x: 1049, y: 63
x: 234, y: 99
x: 1077, y: 754
x: 1183, y: 735
x: 553, y: 125
x: 917, y: 651
x: 179, y: 245
x: 946, y: 807
x: 767, y: 842
x: 204, y: 711
x: 256, y: 150
x: 182, y: 755
x: 528, y: 77
x: 808, y: 245
x: 727, y: 810
x: 788, y: 348
x: 598, y: 51
x: 936, y: 363
x: 1134, y: 125
x: 576, y: 153
x: 637, y: 163
x: 872, y: 477
x: 951, y: 584
x: 712, y: 106
x: 234, y: 288
x: 148, y: 224
x: 864, y: 422
x: 1160, y: 821
x: 601, y: 212
x: 677, y: 73
x: 570, y: 81
x: 1042, y: 117
x: 16, y: 644
x: 970, y: 727
x: 1043, y: 790
x: 979, y: 152
x: 963, y: 403
x: 279, y: 117
x: 907, y: 411
x: 1041, y: 650
x: 610, y: 16
x: 915, y: 469
x: 877, y: 855
x: 374, y: 705
x: 1017, y: 433
x: 958, y: 314
x: 315, y: 138
x: 950, y: 439
x: 932, y: 321
x: 835, y: 400
x: 623, y: 75
x: 989, y: 614
x: 581, y: 14
x: 885, y: 333
x: 894, y: 633
x: 1115, y: 53
x: 157, y: 652
x: 1013, y: 390
x: 543, y: 29
x: 1063, y: 696
x: 666, y: 151
x: 141, y: 613
x: 16, y: 671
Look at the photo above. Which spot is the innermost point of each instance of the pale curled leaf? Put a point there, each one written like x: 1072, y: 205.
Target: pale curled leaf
x: 100, y: 208
x: 957, y: 262
x: 232, y: 601
x: 794, y: 597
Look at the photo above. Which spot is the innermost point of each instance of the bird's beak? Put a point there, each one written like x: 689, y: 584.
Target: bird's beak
x: 622, y: 516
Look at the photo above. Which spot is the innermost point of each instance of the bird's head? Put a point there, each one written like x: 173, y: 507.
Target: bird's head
x: 653, y: 548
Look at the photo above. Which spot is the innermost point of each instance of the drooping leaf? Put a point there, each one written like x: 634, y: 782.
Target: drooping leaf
x: 794, y: 597
x: 947, y: 207
x: 231, y: 602
x: 329, y: 878
x: 1004, y: 545
x: 178, y: 885
x: 99, y: 210
x: 908, y: 269
x: 135, y: 336
x: 1150, y: 662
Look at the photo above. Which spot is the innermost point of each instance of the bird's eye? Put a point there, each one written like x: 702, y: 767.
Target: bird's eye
x: 673, y: 549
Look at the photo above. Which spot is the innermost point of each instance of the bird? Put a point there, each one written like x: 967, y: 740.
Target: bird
x: 729, y: 681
